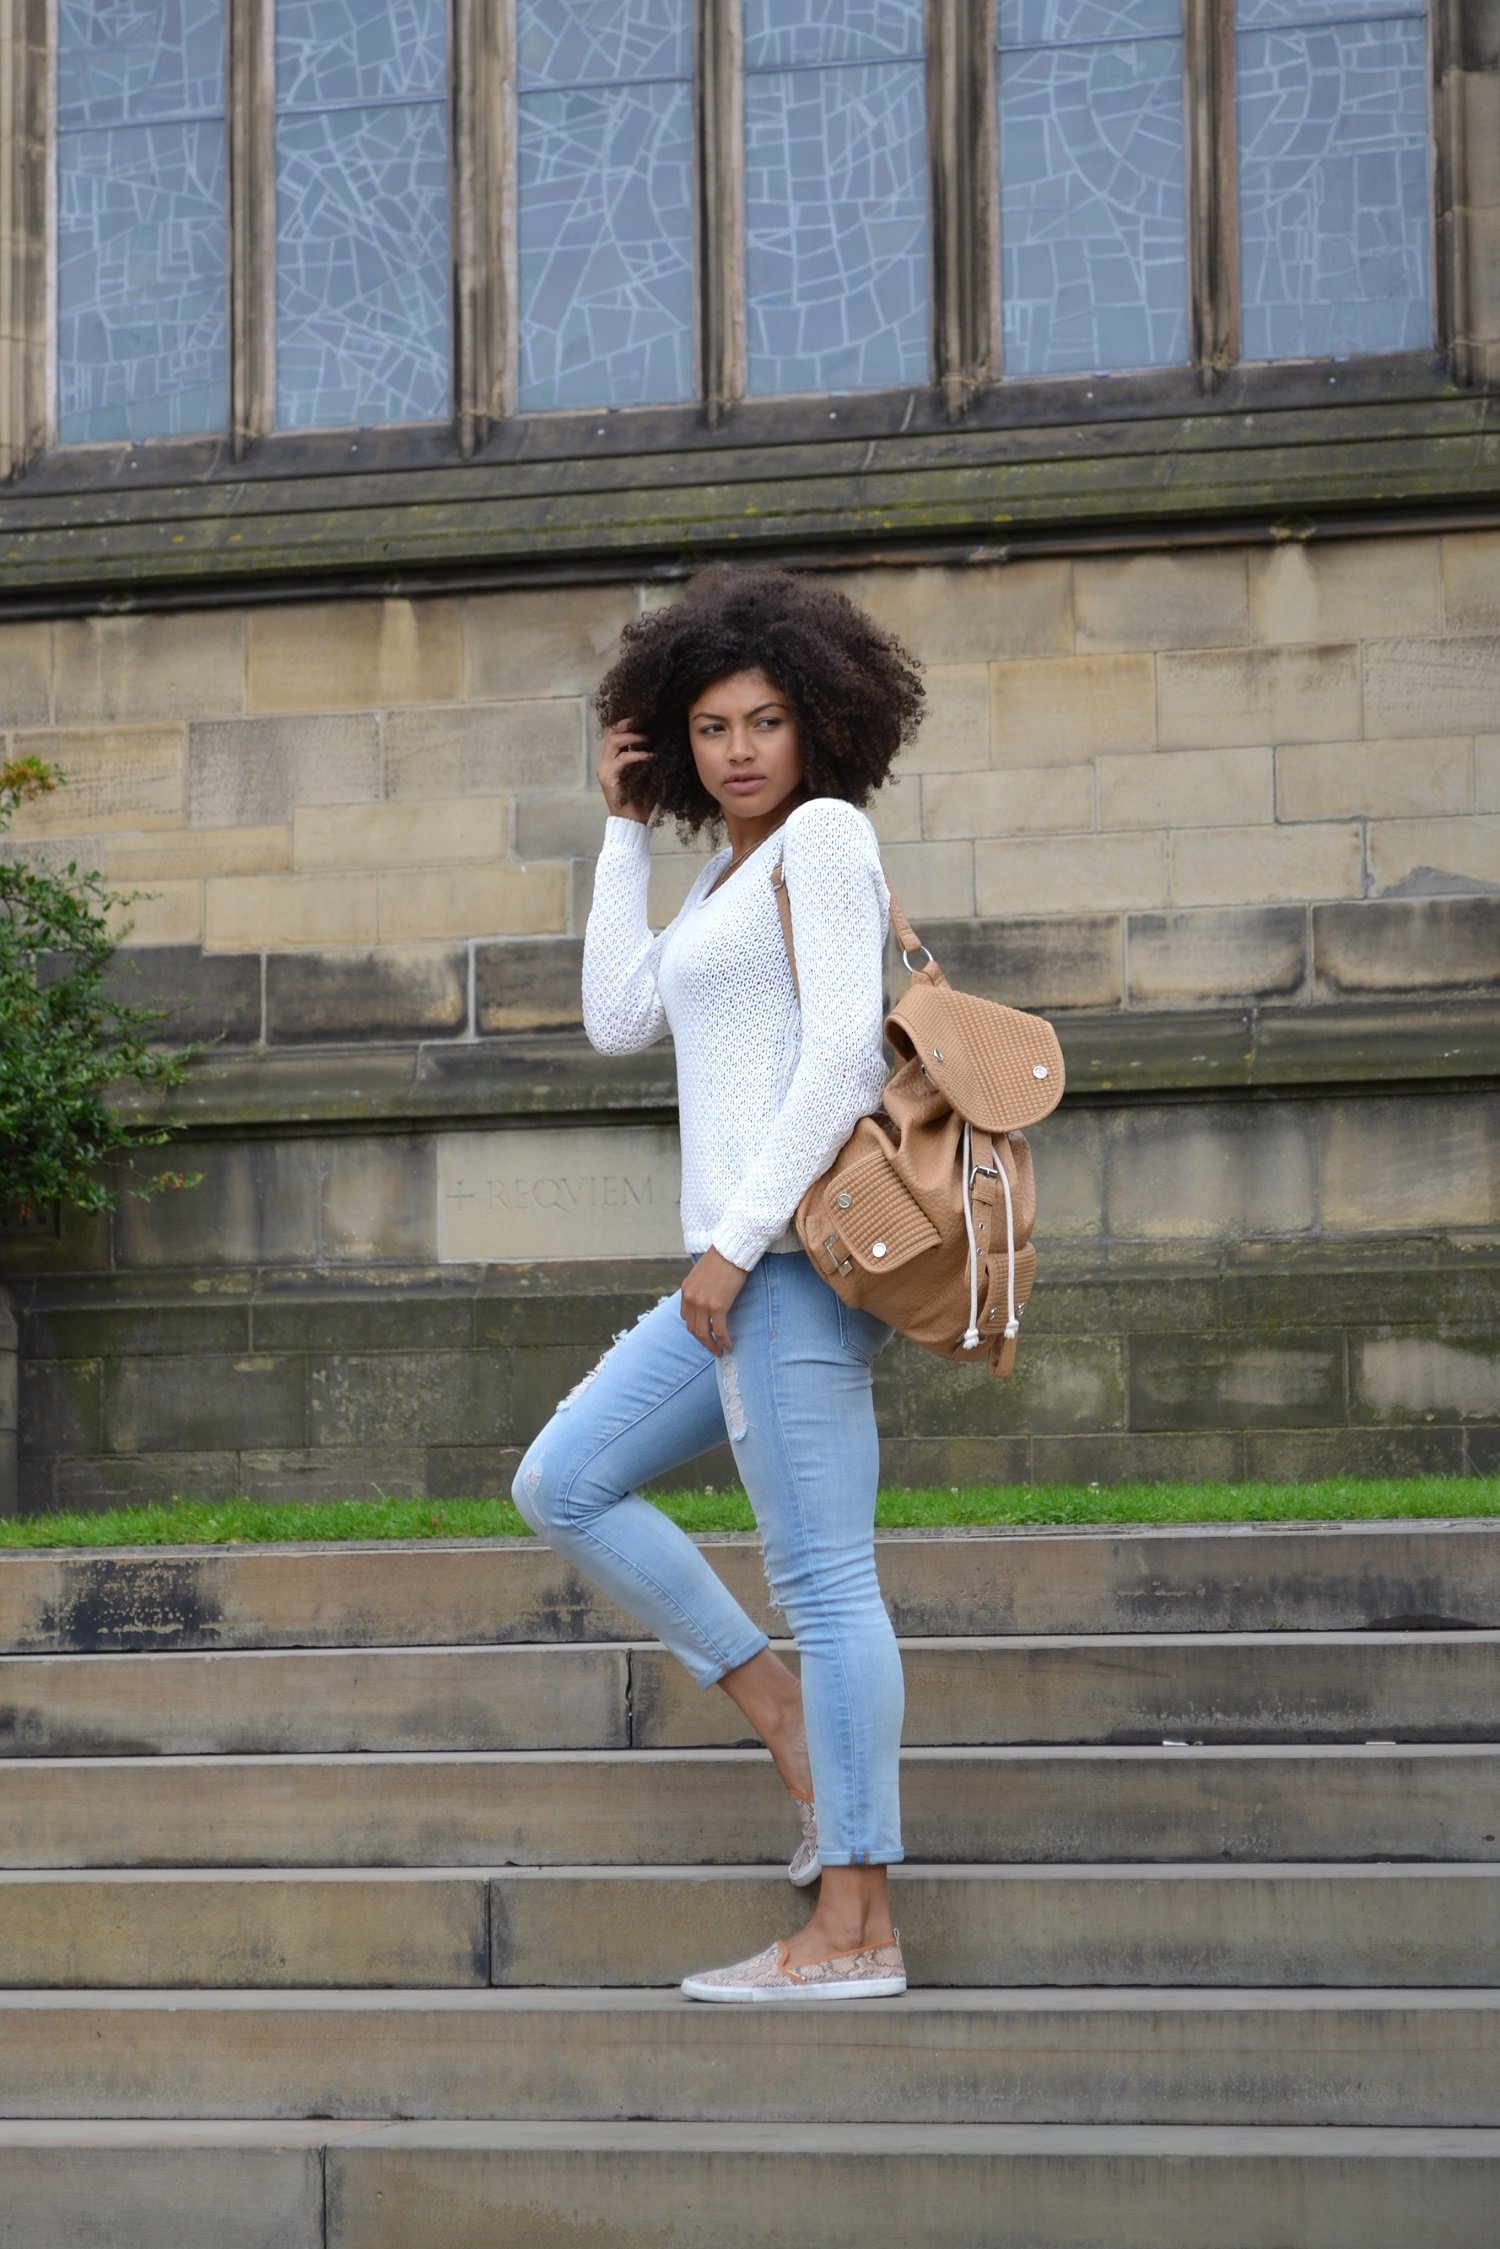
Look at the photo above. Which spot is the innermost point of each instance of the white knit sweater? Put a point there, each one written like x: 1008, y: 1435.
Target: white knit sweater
x: 767, y: 1092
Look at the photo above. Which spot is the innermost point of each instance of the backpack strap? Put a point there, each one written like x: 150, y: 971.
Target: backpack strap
x: 910, y: 942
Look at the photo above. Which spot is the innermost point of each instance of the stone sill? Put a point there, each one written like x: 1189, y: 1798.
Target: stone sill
x: 1191, y: 1053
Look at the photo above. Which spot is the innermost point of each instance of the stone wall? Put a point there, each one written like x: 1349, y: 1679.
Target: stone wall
x: 1232, y: 816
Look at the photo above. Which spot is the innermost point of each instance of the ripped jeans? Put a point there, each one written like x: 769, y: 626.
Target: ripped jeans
x: 795, y: 1398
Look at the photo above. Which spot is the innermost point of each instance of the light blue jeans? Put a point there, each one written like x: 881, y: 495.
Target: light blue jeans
x: 794, y: 1396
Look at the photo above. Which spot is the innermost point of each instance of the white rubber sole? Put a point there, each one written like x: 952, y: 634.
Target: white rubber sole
x: 806, y: 1879
x: 877, y: 1987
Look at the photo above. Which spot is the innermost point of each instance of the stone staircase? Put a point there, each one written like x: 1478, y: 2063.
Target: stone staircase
x: 344, y: 1892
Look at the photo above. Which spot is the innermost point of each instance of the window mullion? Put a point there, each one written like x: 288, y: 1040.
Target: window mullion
x: 252, y: 221
x: 482, y: 76
x: 962, y: 159
x: 25, y: 75
x: 1212, y: 197
x: 719, y: 47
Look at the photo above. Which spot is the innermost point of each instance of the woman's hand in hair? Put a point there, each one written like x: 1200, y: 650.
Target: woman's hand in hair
x: 622, y: 747
x: 707, y: 1294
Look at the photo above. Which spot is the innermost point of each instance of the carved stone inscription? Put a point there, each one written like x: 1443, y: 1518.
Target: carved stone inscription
x: 579, y: 1191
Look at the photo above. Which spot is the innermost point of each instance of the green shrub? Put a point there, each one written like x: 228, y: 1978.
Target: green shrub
x: 65, y: 1039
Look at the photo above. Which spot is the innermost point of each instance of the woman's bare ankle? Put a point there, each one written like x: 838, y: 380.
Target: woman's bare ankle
x: 766, y: 1693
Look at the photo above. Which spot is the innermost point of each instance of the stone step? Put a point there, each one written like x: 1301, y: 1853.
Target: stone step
x: 964, y: 1926
x: 726, y: 1807
x: 678, y: 2186
x: 1374, y: 2057
x: 1120, y: 1687
x: 1233, y: 1578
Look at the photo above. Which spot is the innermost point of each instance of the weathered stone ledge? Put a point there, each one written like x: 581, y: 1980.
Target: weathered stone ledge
x: 1108, y: 1056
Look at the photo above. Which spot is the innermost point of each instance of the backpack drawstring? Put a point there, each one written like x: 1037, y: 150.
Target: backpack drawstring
x: 972, y: 1337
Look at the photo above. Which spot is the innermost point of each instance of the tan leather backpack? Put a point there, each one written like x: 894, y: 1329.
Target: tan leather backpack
x: 924, y: 1216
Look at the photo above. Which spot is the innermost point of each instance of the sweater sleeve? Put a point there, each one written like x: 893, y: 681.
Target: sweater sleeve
x: 622, y: 1008
x: 839, y: 906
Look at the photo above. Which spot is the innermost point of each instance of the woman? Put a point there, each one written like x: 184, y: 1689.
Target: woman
x: 770, y: 706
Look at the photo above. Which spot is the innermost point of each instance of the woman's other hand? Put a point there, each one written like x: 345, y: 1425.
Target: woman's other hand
x: 707, y: 1294
x: 622, y: 746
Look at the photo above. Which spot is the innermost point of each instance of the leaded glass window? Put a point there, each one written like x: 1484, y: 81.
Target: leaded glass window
x: 836, y: 251
x: 605, y: 190
x: 142, y: 219
x: 362, y: 297
x: 1332, y: 117
x: 1093, y: 229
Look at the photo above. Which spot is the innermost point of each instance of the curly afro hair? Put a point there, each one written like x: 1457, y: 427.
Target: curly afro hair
x: 853, y: 688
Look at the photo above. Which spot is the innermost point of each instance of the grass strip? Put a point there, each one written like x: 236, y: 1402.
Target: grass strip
x: 249, y: 1522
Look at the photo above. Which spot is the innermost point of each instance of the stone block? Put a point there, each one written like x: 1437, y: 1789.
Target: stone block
x: 556, y: 640
x: 455, y: 750
x: 1185, y: 789
x: 434, y: 833
x: 1487, y: 773
x: 269, y: 912
x: 329, y: 1472
x: 1385, y: 1165
x: 115, y: 777
x: 1439, y: 945
x: 206, y: 995
x: 1426, y: 1378
x: 972, y: 613
x: 256, y: 1204
x: 332, y: 1313
x: 411, y: 1398
x: 255, y: 772
x: 1256, y: 866
x: 586, y: 1191
x: 1138, y: 1456
x: 1062, y: 712
x: 1344, y: 589
x: 590, y: 1301
x: 559, y: 826
x: 1306, y: 1456
x: 198, y: 851
x: 187, y: 663
x: 1471, y: 583
x: 1289, y: 1381
x: 1218, y: 1172
x: 137, y: 1330
x: 55, y: 853
x: 380, y: 1199
x: 204, y: 1403
x: 1481, y: 1450
x: 471, y: 1471
x: 1069, y: 1159
x: 168, y: 913
x: 528, y: 984
x: 395, y: 992
x: 930, y: 879
x: 60, y: 1406
x: 1353, y: 780
x: 895, y: 812
x: 137, y: 2186
x: 472, y: 902
x: 25, y: 674
x: 920, y: 1462
x: 1217, y: 954
x: 1397, y: 1285
x: 1217, y: 698
x: 1009, y: 803
x: 350, y: 655
x: 1428, y: 857
x: 955, y: 735
x: 1135, y: 1300
x: 1430, y: 687
x: 1152, y: 601
x: 1062, y: 1384
x: 1070, y: 962
x: 1071, y: 874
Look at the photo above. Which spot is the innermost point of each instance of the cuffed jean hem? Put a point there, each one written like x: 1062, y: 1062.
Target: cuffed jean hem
x: 860, y: 1858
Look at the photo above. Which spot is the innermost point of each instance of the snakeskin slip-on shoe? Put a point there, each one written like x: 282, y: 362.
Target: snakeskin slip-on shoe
x: 806, y: 1865
x: 875, y: 1972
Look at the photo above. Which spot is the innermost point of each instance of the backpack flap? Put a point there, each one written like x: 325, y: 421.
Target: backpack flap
x: 869, y: 1217
x: 998, y: 1067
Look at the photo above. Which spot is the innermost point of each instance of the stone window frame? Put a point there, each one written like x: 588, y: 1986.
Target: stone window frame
x: 967, y: 391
